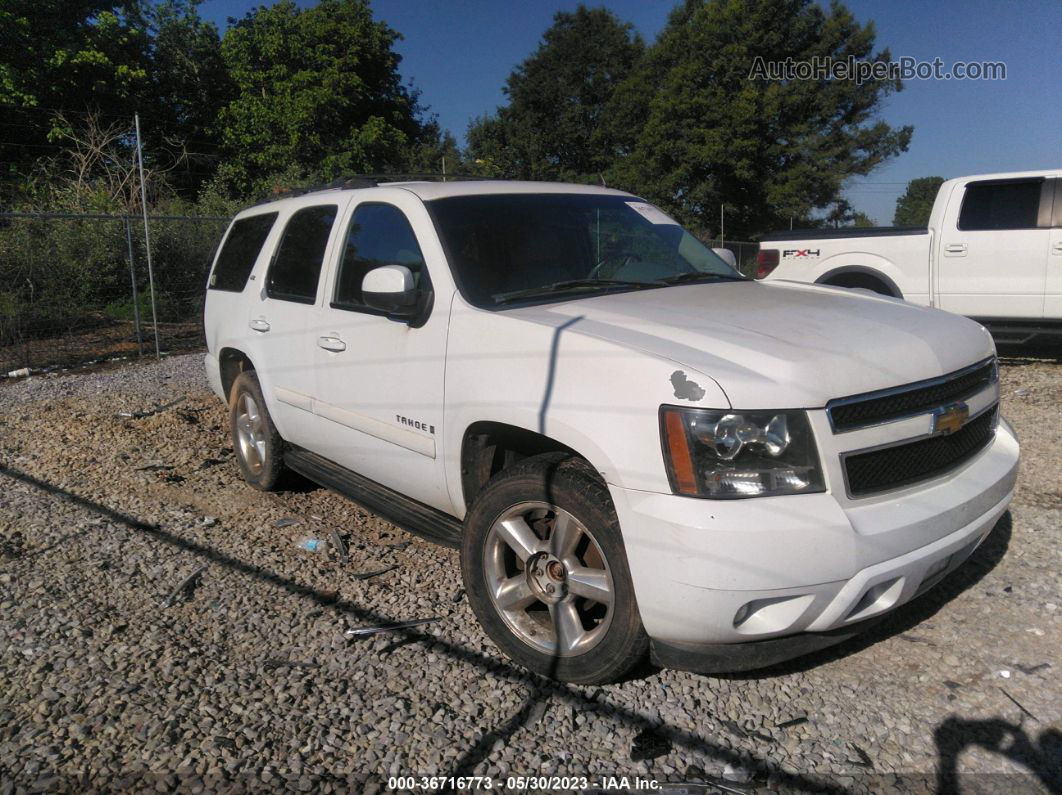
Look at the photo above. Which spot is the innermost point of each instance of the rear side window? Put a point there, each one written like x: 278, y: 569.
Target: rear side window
x: 297, y: 265
x: 379, y: 234
x: 1000, y: 205
x: 240, y: 252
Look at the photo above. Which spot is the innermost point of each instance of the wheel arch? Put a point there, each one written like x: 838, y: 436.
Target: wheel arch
x: 232, y: 362
x: 859, y: 276
x: 490, y: 446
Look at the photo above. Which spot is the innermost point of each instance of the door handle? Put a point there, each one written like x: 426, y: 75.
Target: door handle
x: 334, y: 344
x: 1057, y: 248
x: 259, y: 325
x: 955, y: 249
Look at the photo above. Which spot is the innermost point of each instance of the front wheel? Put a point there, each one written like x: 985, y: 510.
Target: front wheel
x: 546, y: 572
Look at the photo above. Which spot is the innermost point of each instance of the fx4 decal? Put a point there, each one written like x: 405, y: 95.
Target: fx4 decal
x: 801, y: 252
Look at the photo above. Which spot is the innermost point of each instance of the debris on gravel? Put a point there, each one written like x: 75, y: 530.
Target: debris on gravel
x: 248, y: 679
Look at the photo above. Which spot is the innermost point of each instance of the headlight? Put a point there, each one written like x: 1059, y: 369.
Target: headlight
x: 733, y: 454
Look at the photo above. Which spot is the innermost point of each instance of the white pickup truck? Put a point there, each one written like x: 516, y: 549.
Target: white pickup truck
x: 992, y: 251
x: 635, y: 448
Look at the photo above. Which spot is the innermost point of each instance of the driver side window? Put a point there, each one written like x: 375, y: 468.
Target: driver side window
x: 379, y: 234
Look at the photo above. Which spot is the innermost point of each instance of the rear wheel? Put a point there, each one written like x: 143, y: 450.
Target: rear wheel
x: 258, y: 446
x: 546, y: 573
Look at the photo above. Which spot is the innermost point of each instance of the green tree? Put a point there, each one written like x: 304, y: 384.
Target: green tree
x: 72, y: 55
x: 67, y: 65
x: 553, y: 126
x: 841, y: 213
x: 189, y: 86
x: 317, y: 92
x: 914, y: 207
x: 436, y: 153
x: 696, y: 125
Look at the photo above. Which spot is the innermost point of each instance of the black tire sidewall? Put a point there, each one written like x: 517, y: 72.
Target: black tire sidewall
x: 569, y: 483
x: 272, y: 464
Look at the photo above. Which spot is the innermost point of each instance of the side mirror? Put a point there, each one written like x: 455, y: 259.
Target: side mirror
x: 727, y: 256
x: 390, y: 289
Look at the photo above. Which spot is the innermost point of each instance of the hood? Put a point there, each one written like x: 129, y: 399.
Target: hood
x: 779, y: 344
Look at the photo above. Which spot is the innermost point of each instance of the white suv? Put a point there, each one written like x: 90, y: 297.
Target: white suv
x: 633, y: 446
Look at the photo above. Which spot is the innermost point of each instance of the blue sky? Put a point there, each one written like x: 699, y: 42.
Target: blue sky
x: 459, y: 53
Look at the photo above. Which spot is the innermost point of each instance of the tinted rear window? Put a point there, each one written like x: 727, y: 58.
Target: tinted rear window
x: 296, y: 268
x: 240, y: 252
x: 1000, y: 205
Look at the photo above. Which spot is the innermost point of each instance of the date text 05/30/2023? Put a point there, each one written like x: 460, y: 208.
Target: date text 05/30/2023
x: 522, y: 783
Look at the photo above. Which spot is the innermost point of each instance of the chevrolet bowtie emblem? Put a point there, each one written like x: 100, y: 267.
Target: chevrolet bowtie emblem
x: 950, y: 418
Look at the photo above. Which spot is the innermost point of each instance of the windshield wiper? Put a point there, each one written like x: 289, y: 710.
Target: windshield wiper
x: 691, y: 277
x: 571, y: 284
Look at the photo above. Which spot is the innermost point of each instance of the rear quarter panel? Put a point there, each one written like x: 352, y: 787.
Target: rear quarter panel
x: 902, y: 259
x: 225, y: 313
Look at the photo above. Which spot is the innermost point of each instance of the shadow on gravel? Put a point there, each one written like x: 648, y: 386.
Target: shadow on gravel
x: 1043, y: 758
x: 294, y: 483
x: 985, y: 558
x: 760, y: 766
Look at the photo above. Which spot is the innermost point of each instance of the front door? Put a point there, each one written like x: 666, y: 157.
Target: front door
x: 378, y: 403
x: 992, y: 251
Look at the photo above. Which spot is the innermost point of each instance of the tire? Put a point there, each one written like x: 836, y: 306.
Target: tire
x: 555, y: 510
x: 255, y: 440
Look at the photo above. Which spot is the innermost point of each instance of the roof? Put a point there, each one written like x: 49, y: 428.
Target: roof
x: 427, y: 190
x: 1007, y: 175
x: 444, y: 190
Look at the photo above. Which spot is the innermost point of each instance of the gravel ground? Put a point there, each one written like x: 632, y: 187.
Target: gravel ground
x: 113, y: 677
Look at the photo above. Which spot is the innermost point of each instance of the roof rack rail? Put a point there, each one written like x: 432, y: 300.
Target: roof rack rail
x: 370, y: 181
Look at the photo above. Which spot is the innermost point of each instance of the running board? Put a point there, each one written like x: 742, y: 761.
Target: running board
x: 416, y: 517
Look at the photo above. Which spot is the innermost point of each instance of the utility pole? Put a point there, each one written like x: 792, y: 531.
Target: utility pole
x: 147, y: 238
x: 722, y: 235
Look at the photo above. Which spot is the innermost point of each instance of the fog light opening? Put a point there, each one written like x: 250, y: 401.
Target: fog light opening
x: 765, y: 616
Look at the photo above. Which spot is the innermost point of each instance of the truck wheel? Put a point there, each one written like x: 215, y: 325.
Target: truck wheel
x: 546, y: 573
x: 259, y: 448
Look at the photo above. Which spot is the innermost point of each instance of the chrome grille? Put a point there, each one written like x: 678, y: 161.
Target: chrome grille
x: 874, y: 408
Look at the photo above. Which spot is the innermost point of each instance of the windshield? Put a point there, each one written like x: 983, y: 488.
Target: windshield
x: 515, y: 247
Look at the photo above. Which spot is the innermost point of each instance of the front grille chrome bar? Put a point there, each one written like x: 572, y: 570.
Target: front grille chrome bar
x: 898, y: 403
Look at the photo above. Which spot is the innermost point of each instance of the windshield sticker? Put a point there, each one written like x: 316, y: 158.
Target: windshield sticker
x: 651, y: 213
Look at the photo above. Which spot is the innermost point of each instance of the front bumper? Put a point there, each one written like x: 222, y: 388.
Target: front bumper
x: 712, y: 573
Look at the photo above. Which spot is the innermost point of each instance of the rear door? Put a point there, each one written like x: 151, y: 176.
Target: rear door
x: 992, y: 254
x: 379, y: 382
x: 279, y: 318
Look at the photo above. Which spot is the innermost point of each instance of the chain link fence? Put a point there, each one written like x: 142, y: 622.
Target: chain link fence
x: 74, y: 288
